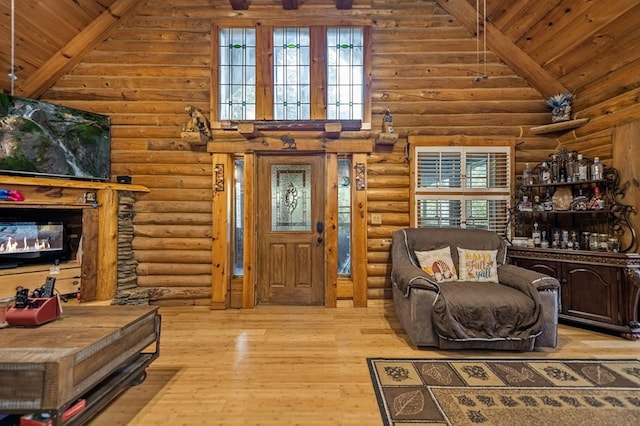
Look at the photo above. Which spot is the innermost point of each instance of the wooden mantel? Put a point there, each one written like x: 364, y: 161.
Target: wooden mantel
x: 99, y: 204
x: 68, y: 183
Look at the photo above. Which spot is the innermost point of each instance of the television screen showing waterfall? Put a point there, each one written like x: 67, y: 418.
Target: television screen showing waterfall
x: 43, y: 139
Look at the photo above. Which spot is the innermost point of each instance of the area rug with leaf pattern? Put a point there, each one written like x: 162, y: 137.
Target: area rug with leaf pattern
x: 506, y: 391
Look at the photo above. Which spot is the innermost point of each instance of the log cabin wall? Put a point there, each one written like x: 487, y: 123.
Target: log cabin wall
x: 423, y: 66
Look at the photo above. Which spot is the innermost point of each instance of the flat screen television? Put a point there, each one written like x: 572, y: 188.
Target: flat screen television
x: 47, y: 140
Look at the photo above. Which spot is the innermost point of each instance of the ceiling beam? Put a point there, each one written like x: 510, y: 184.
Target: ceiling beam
x: 239, y: 4
x: 289, y: 4
x: 84, y: 42
x: 506, y: 50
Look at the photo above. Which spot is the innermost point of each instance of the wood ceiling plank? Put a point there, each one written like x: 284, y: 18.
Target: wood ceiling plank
x: 64, y: 59
x: 619, y: 54
x: 511, y: 54
x: 93, y: 7
x: 613, y: 84
x: 610, y: 45
x: 33, y: 54
x: 598, y: 16
x: 505, y: 12
x: 495, y: 8
x: 32, y: 25
x: 72, y: 13
x: 42, y: 29
x: 547, y: 29
x: 52, y: 19
x: 528, y: 16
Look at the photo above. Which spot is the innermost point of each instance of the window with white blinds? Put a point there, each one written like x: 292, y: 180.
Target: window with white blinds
x: 465, y: 186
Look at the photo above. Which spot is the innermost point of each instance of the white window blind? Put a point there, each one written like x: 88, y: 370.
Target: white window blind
x: 438, y: 169
x: 462, y: 168
x: 465, y: 186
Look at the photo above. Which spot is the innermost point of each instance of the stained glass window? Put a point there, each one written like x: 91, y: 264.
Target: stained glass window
x: 237, y: 74
x: 345, y: 73
x: 291, y: 72
x: 277, y: 84
x: 291, y: 197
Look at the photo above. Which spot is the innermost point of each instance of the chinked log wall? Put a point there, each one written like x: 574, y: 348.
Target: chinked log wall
x: 423, y: 65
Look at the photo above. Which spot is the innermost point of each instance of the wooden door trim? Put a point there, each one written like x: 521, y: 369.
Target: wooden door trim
x: 331, y: 233
x: 358, y: 282
x: 249, y: 238
x: 221, y: 270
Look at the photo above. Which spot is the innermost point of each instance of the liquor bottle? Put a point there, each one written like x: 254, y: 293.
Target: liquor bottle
x: 575, y: 242
x: 544, y: 243
x: 583, y: 168
x: 562, y: 171
x: 525, y: 204
x: 571, y: 167
x: 596, y: 202
x: 555, y: 243
x: 536, y: 235
x: 548, y: 201
x: 527, y: 176
x: 575, y: 167
x: 554, y: 170
x: 545, y: 173
x: 538, y: 205
x: 596, y: 169
x: 580, y: 201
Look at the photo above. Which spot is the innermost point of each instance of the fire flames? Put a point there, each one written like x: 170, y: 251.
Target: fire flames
x: 12, y: 245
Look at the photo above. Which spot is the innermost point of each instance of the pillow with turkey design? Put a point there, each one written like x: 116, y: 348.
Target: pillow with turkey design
x: 438, y: 263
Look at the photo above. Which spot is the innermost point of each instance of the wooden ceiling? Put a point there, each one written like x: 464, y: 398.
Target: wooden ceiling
x: 555, y: 44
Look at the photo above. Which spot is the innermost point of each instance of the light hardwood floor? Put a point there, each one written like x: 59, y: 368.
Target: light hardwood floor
x: 277, y: 365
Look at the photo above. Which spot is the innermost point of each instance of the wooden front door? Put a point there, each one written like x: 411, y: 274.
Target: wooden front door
x: 290, y: 229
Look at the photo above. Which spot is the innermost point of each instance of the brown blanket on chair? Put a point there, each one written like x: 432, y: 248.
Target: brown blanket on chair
x: 487, y: 311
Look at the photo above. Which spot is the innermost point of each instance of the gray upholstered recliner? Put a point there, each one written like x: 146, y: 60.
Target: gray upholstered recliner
x: 424, y: 305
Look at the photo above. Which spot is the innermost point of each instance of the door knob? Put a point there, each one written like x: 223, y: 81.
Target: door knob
x: 320, y: 230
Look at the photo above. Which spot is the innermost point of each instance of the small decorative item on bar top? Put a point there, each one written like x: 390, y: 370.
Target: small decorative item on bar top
x: 560, y: 106
x: 198, y: 128
x: 387, y: 122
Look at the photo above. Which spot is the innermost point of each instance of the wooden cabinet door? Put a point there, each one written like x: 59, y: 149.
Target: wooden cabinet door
x: 592, y: 292
x: 550, y: 268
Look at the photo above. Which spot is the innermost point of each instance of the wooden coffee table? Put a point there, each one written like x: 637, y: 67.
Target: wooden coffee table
x: 90, y: 352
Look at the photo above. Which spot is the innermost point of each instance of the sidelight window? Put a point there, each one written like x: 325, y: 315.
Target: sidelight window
x: 238, y: 215
x: 344, y: 216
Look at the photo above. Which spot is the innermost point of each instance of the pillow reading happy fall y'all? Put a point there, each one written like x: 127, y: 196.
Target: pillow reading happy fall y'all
x: 438, y: 263
x: 478, y: 265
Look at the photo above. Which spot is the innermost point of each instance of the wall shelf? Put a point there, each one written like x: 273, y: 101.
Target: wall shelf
x: 387, y: 139
x: 561, y: 126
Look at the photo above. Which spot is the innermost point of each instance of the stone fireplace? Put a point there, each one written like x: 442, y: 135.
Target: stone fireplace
x: 98, y: 222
